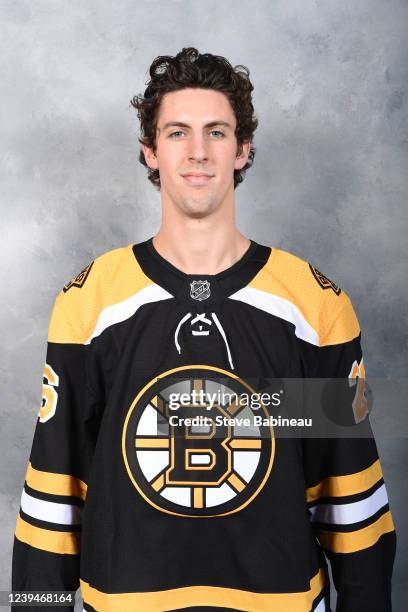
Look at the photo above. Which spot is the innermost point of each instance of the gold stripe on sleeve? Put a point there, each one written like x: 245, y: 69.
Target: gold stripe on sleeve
x: 352, y: 541
x: 340, y: 486
x: 56, y: 484
x: 62, y: 542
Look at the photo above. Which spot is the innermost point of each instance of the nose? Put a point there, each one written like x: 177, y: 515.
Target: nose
x: 198, y: 148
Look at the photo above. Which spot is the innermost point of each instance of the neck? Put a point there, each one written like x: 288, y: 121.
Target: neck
x: 200, y: 245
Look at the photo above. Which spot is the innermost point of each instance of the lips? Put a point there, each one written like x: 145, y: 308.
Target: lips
x: 196, y: 178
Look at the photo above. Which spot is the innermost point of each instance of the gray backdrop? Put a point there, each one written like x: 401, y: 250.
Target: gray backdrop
x: 329, y: 181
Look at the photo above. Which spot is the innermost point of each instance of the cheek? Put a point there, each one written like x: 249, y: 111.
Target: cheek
x: 174, y: 158
x: 226, y: 157
x: 167, y: 162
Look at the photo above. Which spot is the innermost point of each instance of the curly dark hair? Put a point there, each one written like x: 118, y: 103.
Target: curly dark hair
x: 191, y: 69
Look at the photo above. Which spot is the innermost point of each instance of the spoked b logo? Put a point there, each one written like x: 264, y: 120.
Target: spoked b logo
x: 196, y: 469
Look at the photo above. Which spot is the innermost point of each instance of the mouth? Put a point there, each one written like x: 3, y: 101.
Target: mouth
x: 196, y: 178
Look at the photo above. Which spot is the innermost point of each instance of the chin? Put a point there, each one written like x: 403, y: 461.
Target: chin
x: 198, y: 210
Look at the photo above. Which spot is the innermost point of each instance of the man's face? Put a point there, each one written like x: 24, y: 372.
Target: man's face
x: 196, y: 150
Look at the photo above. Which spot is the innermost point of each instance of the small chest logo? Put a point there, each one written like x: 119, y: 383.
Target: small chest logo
x: 200, y: 290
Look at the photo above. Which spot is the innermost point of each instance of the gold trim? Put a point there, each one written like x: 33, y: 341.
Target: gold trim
x: 62, y: 542
x: 242, y: 443
x: 152, y: 443
x: 352, y: 541
x: 197, y: 451
x: 158, y: 484
x: 236, y: 482
x: 192, y: 596
x: 198, y: 385
x: 56, y: 484
x: 198, y: 497
x: 340, y: 486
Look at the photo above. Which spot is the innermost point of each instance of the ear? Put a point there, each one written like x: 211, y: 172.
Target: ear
x: 150, y: 157
x: 242, y: 155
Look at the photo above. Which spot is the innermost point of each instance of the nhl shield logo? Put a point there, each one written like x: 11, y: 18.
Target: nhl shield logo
x: 200, y: 290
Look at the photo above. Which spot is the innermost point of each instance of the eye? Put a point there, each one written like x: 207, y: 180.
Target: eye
x: 175, y: 134
x: 220, y: 134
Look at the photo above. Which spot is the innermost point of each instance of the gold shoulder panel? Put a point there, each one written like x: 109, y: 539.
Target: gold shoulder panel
x: 321, y: 302
x: 109, y: 279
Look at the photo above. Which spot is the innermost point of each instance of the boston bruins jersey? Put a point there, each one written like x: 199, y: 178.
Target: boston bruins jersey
x: 146, y: 512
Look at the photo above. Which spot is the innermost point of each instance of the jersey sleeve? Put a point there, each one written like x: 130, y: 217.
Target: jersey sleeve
x: 46, y: 551
x: 345, y: 490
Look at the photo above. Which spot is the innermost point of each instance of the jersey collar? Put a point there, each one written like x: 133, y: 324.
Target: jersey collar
x: 200, y: 289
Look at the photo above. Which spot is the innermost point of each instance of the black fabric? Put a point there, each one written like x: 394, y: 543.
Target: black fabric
x: 44, y: 571
x: 363, y: 578
x: 133, y: 538
x: 223, y: 284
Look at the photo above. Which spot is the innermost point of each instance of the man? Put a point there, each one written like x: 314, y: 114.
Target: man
x: 178, y: 514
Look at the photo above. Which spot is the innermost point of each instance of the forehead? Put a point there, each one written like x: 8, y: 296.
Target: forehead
x: 195, y: 105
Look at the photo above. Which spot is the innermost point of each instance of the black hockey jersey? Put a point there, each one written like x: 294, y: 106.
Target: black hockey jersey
x: 146, y: 512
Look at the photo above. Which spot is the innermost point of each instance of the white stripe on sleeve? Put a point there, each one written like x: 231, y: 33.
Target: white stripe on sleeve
x: 346, y: 514
x: 65, y: 514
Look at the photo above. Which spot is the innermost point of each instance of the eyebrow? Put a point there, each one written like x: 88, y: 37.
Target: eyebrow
x: 185, y: 125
